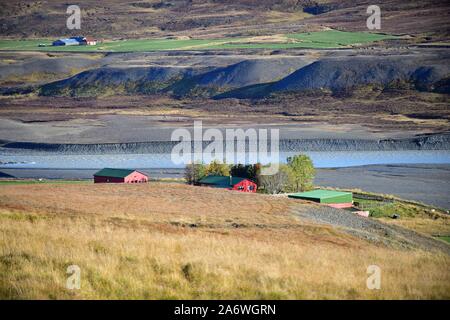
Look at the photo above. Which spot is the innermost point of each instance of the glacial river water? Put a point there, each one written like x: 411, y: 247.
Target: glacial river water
x: 321, y: 159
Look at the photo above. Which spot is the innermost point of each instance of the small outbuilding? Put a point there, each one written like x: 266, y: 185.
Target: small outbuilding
x: 231, y: 183
x: 90, y: 41
x: 337, y: 199
x: 110, y: 175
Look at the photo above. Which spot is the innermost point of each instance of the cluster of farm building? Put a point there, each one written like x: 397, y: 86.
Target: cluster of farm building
x: 109, y: 175
x: 75, y: 41
x: 336, y: 199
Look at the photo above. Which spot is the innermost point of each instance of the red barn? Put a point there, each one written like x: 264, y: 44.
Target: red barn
x: 231, y: 183
x: 109, y: 175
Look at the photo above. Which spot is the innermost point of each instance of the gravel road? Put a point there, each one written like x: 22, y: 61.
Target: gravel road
x: 371, y: 229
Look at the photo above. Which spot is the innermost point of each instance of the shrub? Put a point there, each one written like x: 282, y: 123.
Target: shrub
x: 302, y: 172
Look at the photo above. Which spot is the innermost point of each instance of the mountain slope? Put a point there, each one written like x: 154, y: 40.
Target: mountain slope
x: 244, y: 73
x: 344, y: 74
x: 206, y: 18
x: 114, y: 80
x: 349, y: 73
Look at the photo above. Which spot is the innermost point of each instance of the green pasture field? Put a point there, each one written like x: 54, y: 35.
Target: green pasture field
x: 319, y: 40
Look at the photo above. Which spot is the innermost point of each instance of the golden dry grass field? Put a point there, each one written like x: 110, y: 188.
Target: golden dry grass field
x: 172, y: 241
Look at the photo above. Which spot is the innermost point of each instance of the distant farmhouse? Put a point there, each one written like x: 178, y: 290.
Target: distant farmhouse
x: 75, y: 41
x: 231, y: 183
x: 90, y: 41
x: 110, y: 175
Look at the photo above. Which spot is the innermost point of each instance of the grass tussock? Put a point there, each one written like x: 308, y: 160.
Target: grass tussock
x: 169, y: 241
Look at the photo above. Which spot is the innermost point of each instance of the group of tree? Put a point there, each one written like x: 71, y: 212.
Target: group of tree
x: 196, y: 171
x: 297, y: 175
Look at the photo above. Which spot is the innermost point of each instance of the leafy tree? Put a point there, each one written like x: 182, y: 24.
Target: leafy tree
x: 194, y: 172
x: 278, y: 182
x: 239, y: 170
x: 255, y: 173
x: 217, y: 168
x: 249, y: 171
x: 302, y: 172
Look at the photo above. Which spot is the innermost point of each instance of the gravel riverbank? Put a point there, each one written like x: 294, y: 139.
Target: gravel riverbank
x: 425, y: 142
x: 427, y: 183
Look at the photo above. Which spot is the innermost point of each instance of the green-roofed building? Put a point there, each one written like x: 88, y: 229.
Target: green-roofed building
x: 112, y: 175
x: 330, y: 197
x: 232, y: 183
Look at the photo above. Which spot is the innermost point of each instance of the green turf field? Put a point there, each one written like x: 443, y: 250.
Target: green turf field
x: 319, y: 40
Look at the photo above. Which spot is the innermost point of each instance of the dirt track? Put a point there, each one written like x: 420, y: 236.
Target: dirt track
x: 370, y: 229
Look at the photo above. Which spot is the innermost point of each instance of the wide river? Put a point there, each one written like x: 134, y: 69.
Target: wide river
x: 328, y: 159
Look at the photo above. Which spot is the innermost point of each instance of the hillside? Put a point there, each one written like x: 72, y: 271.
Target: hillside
x: 255, y: 78
x: 350, y: 73
x: 178, y: 81
x: 110, y: 80
x: 238, y: 75
x: 171, y: 241
x: 426, y: 20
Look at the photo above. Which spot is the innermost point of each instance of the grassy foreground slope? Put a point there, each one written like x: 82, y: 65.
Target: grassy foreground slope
x: 320, y: 39
x: 162, y: 240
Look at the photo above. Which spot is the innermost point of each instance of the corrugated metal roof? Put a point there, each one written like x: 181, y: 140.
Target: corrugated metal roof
x: 220, y: 181
x: 116, y: 173
x: 321, y: 194
x: 324, y: 196
x: 70, y: 42
x: 67, y: 42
